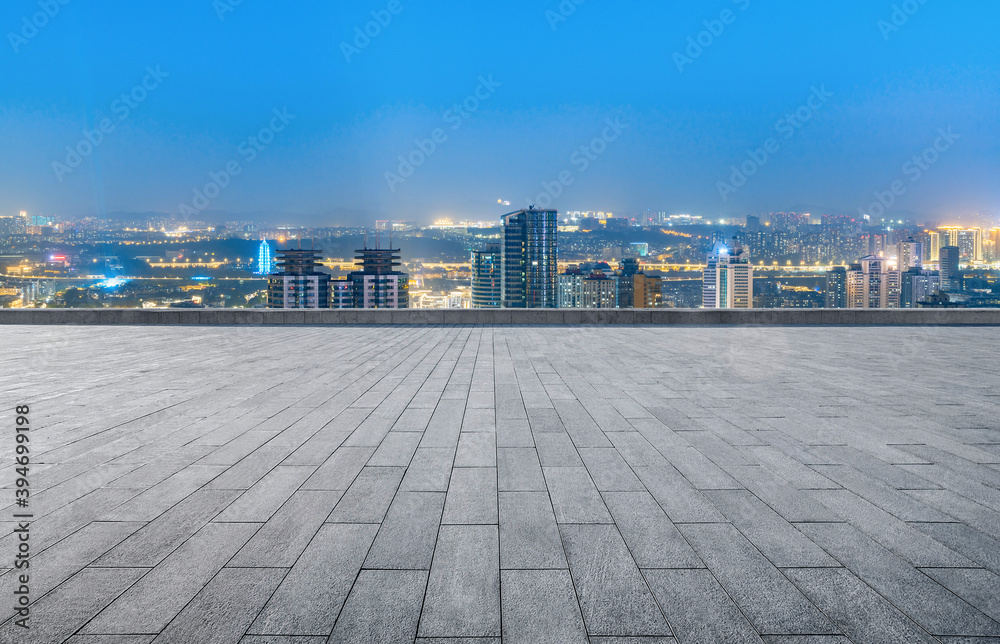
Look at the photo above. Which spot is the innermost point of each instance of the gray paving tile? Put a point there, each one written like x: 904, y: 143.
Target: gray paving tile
x: 966, y: 540
x: 463, y: 594
x: 396, y: 449
x: 609, y: 470
x: 369, y: 496
x: 476, y: 450
x: 776, y: 538
x: 340, y: 470
x: 529, y: 537
x: 472, y: 496
x: 429, y: 471
x: 280, y: 541
x: 152, y: 602
x: 677, y: 497
x: 541, y: 606
x: 260, y: 502
x: 613, y: 595
x: 556, y: 450
x: 224, y: 608
x: 652, y: 539
x: 574, y: 497
x: 310, y: 597
x: 151, y: 545
x: 514, y: 432
x: 772, y: 604
x: 59, y: 614
x: 922, y: 599
x: 384, y: 606
x: 698, y: 609
x: 863, y: 615
x: 407, y: 536
x: 639, y: 431
x: 518, y: 470
x: 897, y: 536
x: 976, y: 586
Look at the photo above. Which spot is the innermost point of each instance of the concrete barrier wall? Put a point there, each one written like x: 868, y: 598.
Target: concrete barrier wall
x: 759, y: 317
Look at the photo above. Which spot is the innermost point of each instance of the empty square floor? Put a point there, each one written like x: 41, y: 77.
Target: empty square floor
x: 469, y: 484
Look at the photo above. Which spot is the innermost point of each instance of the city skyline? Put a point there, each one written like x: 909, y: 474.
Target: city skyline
x: 723, y: 110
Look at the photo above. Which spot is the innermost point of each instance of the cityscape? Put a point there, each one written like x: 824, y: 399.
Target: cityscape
x: 520, y: 322
x: 531, y: 258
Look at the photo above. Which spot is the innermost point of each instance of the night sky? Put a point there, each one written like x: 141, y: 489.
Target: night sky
x: 290, y: 111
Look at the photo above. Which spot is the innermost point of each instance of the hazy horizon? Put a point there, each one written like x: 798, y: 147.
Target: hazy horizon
x: 724, y: 109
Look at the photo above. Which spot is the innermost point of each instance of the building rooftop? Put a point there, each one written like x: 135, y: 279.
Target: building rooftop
x: 279, y: 485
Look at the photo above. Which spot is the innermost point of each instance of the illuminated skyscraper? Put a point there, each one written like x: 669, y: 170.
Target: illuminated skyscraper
x: 298, y: 284
x: 951, y: 278
x: 909, y: 254
x: 593, y: 291
x: 529, y: 252
x: 935, y: 238
x: 871, y: 285
x: 378, y: 285
x: 727, y: 280
x: 265, y: 260
x: 836, y: 288
x: 486, y: 267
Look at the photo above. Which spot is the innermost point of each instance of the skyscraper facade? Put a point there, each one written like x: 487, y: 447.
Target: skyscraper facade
x: 486, y: 277
x: 935, y: 242
x: 378, y: 285
x: 951, y: 279
x: 529, y: 274
x: 727, y: 281
x: 871, y: 285
x: 298, y: 284
x: 627, y: 271
x: 909, y: 254
x: 594, y: 291
x: 836, y: 288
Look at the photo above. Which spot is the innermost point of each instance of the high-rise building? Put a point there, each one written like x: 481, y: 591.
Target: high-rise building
x: 486, y: 267
x: 951, y: 278
x: 970, y: 242
x: 570, y: 289
x: 909, y: 254
x: 378, y: 285
x: 727, y: 280
x: 594, y: 291
x: 627, y: 271
x: 298, y: 284
x: 836, y: 288
x: 935, y: 242
x: 648, y: 292
x: 995, y: 243
x: 871, y: 285
x: 265, y: 259
x: 917, y: 285
x: 530, y: 271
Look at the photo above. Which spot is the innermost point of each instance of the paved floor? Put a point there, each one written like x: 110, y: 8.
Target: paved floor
x: 614, y: 485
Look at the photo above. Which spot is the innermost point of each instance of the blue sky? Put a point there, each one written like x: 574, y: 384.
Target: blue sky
x: 556, y: 77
